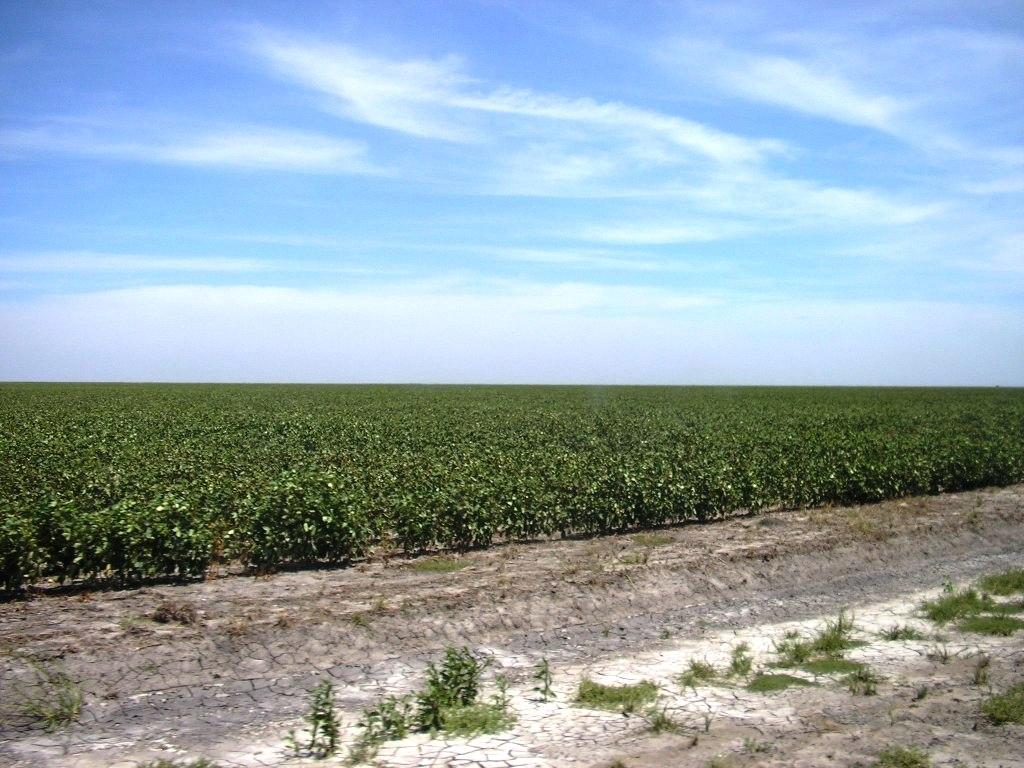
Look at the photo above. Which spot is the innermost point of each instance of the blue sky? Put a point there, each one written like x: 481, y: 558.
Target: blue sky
x: 513, y: 192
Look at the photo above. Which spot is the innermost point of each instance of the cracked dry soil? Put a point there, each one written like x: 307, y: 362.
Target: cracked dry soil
x: 227, y: 672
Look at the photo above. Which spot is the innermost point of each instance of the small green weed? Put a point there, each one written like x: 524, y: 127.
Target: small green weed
x: 1005, y: 583
x: 474, y: 719
x: 697, y: 673
x: 901, y: 632
x: 835, y: 637
x: 956, y: 605
x: 1006, y: 707
x: 830, y: 666
x: 660, y: 721
x: 741, y: 661
x: 324, y: 726
x: 755, y: 747
x: 57, y: 699
x: 454, y: 684
x: 863, y: 681
x: 389, y: 719
x: 902, y: 757
x: 793, y: 649
x: 1003, y: 626
x: 440, y: 564
x: 981, y: 667
x: 543, y: 677
x: 770, y: 683
x: 622, y: 698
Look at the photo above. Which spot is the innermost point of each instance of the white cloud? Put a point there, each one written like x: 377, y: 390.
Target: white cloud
x: 245, y: 148
x: 434, y: 99
x: 807, y: 87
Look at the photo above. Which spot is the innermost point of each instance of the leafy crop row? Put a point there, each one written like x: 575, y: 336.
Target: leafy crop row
x: 149, y: 480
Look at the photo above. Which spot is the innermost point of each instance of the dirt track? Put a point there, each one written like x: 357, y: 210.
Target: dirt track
x: 229, y: 686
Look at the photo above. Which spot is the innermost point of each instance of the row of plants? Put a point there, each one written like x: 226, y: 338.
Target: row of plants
x: 163, y: 480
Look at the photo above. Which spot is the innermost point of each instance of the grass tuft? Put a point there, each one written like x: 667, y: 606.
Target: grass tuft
x: 741, y: 661
x: 440, y: 564
x: 902, y: 757
x: 1005, y: 583
x: 698, y: 672
x: 956, y: 605
x: 863, y: 681
x: 1003, y: 626
x: 475, y: 719
x: 902, y: 632
x: 771, y: 683
x: 1006, y: 707
x: 622, y: 698
x: 830, y: 666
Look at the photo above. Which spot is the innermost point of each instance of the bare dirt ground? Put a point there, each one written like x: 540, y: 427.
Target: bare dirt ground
x: 228, y: 682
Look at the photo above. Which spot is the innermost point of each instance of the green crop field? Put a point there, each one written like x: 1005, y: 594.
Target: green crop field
x: 131, y: 481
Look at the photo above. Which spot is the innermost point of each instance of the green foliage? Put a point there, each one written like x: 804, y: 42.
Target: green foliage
x: 440, y: 564
x: 134, y: 481
x: 324, y: 726
x: 770, y: 683
x: 1006, y: 707
x: 389, y: 719
x: 863, y: 681
x: 620, y: 698
x: 660, y: 721
x: 473, y: 719
x: 835, y: 637
x: 1005, y: 583
x: 455, y: 683
x: 698, y: 672
x: 902, y: 757
x: 952, y: 605
x: 830, y: 666
x: 55, y: 700
x: 740, y: 661
x: 543, y: 677
x: 901, y: 632
x: 1004, y: 626
x: 21, y: 559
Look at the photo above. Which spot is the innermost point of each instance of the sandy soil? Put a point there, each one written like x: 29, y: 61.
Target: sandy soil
x: 230, y: 684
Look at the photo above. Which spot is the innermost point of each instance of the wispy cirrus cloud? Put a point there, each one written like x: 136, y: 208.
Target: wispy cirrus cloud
x: 240, y: 147
x: 434, y: 98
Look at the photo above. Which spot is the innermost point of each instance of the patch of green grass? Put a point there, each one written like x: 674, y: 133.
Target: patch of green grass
x: 830, y: 666
x: 956, y: 605
x: 902, y: 757
x: 741, y: 661
x: 660, y: 721
x: 1006, y: 707
x: 902, y: 632
x: 863, y: 681
x: 622, y: 698
x: 835, y: 637
x: 770, y: 683
x: 1005, y: 583
x: 1004, y: 626
x: 475, y: 719
x: 698, y: 672
x: 652, y: 539
x: 793, y: 650
x: 56, y: 701
x: 440, y: 564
